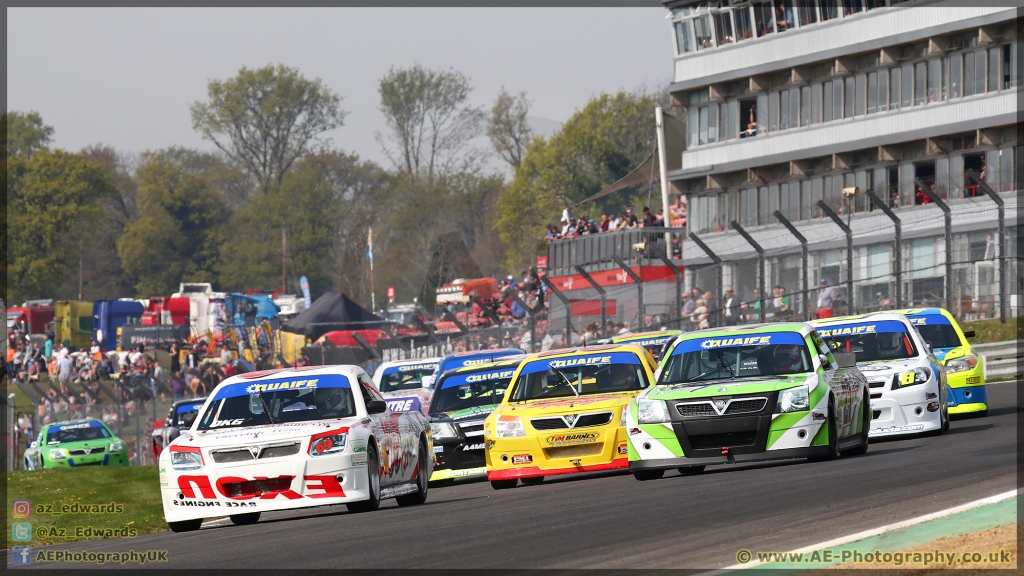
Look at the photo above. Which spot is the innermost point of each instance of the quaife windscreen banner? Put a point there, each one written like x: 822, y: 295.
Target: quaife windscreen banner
x: 454, y: 380
x: 738, y: 341
x: 862, y: 328
x: 597, y: 359
x: 418, y: 368
x: 270, y: 385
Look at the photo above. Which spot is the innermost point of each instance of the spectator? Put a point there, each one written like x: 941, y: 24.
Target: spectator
x: 122, y: 359
x: 631, y: 221
x: 754, y: 308
x: 95, y: 350
x: 826, y: 300
x: 623, y: 328
x: 614, y: 223
x: 225, y: 356
x: 649, y: 219
x: 700, y: 315
x: 783, y: 305
x: 677, y: 213
x: 544, y: 339
x: 48, y: 347
x: 175, y: 358
x: 712, y: 314
x: 136, y: 356
x: 730, y: 308
x: 883, y: 302
x: 66, y: 370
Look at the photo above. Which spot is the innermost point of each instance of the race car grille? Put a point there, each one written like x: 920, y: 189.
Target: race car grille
x: 278, y: 451
x: 254, y: 487
x: 82, y: 452
x: 730, y: 439
x: 561, y: 423
x: 701, y: 409
x: 734, y: 407
x: 225, y: 456
x: 472, y: 429
x: 245, y: 454
x: 876, y: 383
x: 573, y: 451
x: 746, y: 406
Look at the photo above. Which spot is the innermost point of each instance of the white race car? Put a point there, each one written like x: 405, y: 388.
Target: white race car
x: 294, y: 438
x: 907, y: 383
x: 406, y: 384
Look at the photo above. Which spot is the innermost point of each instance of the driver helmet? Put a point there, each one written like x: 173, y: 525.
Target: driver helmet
x: 787, y: 358
x: 888, y: 343
x: 328, y: 398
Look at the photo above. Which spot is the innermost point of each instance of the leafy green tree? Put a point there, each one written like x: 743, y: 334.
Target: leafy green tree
x: 508, y: 127
x: 268, y: 118
x: 430, y: 121
x: 601, y: 143
x: 178, y: 236
x: 26, y: 133
x: 52, y: 205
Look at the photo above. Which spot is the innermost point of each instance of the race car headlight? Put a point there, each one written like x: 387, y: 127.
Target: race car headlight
x: 191, y: 460
x: 651, y: 412
x: 793, y: 400
x: 329, y: 443
x: 622, y: 417
x: 58, y: 454
x: 509, y: 427
x: 116, y: 446
x: 915, y: 376
x: 442, y: 430
x: 962, y: 364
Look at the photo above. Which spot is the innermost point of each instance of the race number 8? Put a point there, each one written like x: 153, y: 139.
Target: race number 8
x: 907, y: 378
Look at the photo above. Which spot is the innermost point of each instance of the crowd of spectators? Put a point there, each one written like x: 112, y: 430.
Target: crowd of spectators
x: 585, y: 224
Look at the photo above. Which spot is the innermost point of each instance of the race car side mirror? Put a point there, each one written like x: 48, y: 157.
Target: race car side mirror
x: 968, y: 333
x: 33, y: 445
x: 376, y: 407
x: 824, y: 362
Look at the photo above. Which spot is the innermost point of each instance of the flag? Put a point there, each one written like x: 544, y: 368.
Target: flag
x: 369, y: 245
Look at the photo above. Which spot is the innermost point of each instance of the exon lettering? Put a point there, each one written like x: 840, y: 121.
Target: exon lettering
x: 412, y: 367
x: 747, y: 341
x: 847, y: 331
x: 488, y: 376
x: 316, y: 487
x: 589, y: 361
x: 295, y: 385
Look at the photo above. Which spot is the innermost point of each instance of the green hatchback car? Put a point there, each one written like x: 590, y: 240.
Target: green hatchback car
x: 76, y: 443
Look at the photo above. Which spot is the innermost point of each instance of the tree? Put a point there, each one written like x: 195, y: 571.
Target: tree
x: 52, y: 204
x: 508, y: 129
x: 430, y: 120
x: 601, y: 143
x: 268, y: 118
x: 26, y: 133
x: 178, y: 236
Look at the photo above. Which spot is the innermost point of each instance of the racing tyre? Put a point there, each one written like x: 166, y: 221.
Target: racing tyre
x: 244, y: 519
x: 691, y: 470
x: 422, y: 481
x: 533, y: 481
x: 644, y: 475
x: 503, y: 484
x: 862, y: 448
x: 373, y: 474
x: 833, y: 438
x: 185, y: 525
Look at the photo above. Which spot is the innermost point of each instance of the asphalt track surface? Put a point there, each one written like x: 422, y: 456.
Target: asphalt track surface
x: 614, y: 521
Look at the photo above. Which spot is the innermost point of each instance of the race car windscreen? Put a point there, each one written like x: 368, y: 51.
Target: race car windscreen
x: 741, y: 356
x: 407, y: 377
x: 461, y: 391
x: 76, y: 432
x: 885, y: 340
x: 185, y: 415
x: 938, y: 333
x: 279, y: 401
x: 580, y: 375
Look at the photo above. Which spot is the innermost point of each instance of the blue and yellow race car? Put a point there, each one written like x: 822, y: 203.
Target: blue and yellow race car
x: 965, y: 369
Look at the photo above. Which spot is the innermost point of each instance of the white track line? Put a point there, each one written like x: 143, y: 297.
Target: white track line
x: 880, y: 530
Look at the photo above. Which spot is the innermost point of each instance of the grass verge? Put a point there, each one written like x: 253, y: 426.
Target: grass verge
x: 987, y: 331
x: 135, y: 492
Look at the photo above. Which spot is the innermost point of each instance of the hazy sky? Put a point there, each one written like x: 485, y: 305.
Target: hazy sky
x: 126, y: 76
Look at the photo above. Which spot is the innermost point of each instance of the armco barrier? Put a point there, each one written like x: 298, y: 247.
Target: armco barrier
x: 1002, y: 359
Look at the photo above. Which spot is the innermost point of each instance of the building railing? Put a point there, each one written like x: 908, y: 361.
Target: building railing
x: 599, y: 251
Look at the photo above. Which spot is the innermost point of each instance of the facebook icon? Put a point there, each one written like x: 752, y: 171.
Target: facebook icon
x: 21, y: 555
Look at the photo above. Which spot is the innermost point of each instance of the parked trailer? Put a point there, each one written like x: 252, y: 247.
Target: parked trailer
x: 109, y: 315
x: 73, y: 323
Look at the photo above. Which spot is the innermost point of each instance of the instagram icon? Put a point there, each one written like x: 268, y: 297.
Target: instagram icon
x: 21, y: 508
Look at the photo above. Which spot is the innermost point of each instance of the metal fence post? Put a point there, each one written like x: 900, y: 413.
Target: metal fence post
x: 604, y: 298
x: 639, y: 289
x: 565, y: 300
x: 849, y: 253
x: 679, y: 283
x: 803, y: 261
x: 947, y: 217
x: 1001, y: 210
x: 898, y: 260
x: 760, y: 266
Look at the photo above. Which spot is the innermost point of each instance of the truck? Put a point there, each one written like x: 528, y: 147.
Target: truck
x: 109, y: 315
x: 73, y: 323
x: 32, y: 317
x: 164, y: 310
x: 207, y: 308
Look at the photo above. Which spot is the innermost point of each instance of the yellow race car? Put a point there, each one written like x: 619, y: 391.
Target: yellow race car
x: 965, y: 368
x: 564, y: 413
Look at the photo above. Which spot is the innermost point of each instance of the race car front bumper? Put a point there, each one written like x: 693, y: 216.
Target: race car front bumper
x: 967, y: 390
x: 546, y: 454
x: 784, y: 454
x: 909, y: 410
x: 77, y: 461
x: 288, y: 483
x: 456, y: 459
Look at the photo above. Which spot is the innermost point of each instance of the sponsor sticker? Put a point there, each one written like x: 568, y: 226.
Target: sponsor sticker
x: 623, y: 449
x: 488, y: 444
x: 899, y: 429
x: 412, y: 367
x: 572, y: 439
x: 907, y: 378
x: 473, y: 447
x: 522, y: 459
x: 974, y: 379
x: 585, y: 361
x: 272, y: 386
x: 438, y: 449
x: 817, y: 416
x: 358, y: 445
x: 739, y: 341
x: 485, y: 376
x: 359, y: 458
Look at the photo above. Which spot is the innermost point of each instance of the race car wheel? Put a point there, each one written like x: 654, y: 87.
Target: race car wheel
x: 185, y: 525
x: 420, y: 495
x: 833, y: 438
x: 373, y: 475
x: 533, y: 481
x: 691, y: 470
x: 862, y: 448
x: 504, y: 484
x: 643, y: 475
x: 245, y: 519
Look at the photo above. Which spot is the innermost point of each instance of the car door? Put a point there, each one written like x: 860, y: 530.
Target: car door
x: 385, y: 429
x: 838, y: 383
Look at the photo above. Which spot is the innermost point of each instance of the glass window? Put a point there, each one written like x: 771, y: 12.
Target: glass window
x: 806, y: 200
x: 722, y: 213
x: 1013, y: 71
x: 883, y: 90
x: 862, y: 87
x: 894, y: 89
x: 785, y: 121
x: 794, y: 107
x: 694, y: 124
x: 907, y: 90
x: 920, y: 82
x: 942, y: 176
x: 723, y: 120
x: 991, y: 170
x: 878, y: 262
x: 784, y: 16
x: 703, y: 125
x: 816, y: 91
x: 764, y: 18
x: 956, y: 176
x: 744, y: 26
x: 979, y: 72
x: 807, y: 12
x: 922, y: 259
x: 872, y: 92
x: 805, y: 106
x: 851, y: 7
x: 906, y: 184
x: 762, y: 205
x: 837, y: 99
x: 1005, y: 170
x: 773, y: 202
x: 762, y: 113
x: 829, y: 114
x: 684, y: 37
x: 816, y: 194
x: 955, y: 65
x: 712, y: 123
x: 850, y: 99
x: 935, y: 87
x: 702, y: 32
x: 734, y: 119
x: 829, y: 9
x: 748, y: 207
x: 993, y: 68
x: 773, y: 111
x: 969, y: 85
x: 723, y: 27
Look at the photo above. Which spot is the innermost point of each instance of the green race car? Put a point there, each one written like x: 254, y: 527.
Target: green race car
x: 77, y: 443
x: 745, y: 394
